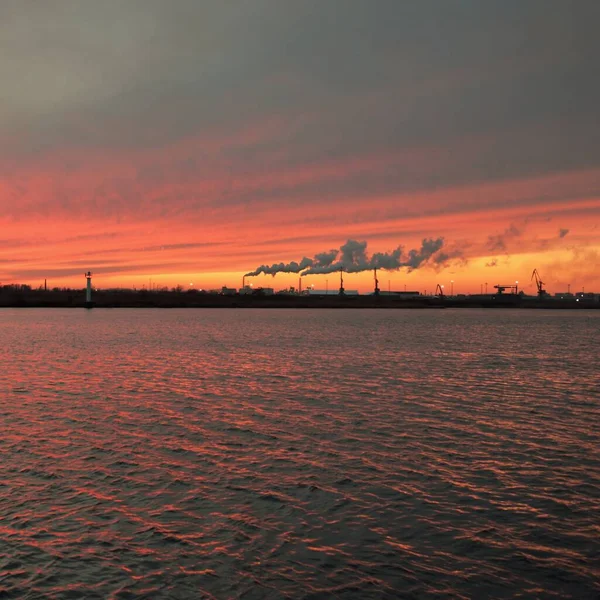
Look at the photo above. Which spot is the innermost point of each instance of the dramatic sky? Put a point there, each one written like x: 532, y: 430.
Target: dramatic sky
x: 190, y: 141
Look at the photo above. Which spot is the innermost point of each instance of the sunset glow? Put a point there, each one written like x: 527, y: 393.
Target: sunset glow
x: 201, y: 157
x: 299, y: 299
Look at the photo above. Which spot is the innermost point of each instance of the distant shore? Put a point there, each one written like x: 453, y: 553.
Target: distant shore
x: 194, y: 299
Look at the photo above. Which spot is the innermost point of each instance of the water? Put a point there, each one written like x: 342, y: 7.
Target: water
x: 299, y: 454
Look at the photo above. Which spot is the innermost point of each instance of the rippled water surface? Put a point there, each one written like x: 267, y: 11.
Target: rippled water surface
x: 299, y: 454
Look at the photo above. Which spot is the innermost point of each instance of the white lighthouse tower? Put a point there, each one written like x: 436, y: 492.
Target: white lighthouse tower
x: 88, y: 290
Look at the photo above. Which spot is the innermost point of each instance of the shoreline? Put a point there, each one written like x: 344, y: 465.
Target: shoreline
x: 145, y: 299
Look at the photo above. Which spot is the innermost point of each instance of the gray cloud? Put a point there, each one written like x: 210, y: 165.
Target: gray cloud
x: 426, y: 73
x: 500, y: 241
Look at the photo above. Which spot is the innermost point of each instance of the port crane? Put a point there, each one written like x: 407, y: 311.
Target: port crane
x: 376, y: 283
x: 539, y: 283
x: 439, y: 291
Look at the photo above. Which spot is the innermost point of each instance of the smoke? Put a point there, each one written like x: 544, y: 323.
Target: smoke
x: 387, y: 260
x: 354, y: 253
x: 428, y: 248
x: 292, y: 267
x: 324, y: 259
x: 453, y: 254
x: 352, y: 257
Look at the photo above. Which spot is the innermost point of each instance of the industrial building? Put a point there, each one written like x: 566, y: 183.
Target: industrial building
x: 248, y: 290
x: 224, y: 291
x: 334, y: 292
x: 403, y: 294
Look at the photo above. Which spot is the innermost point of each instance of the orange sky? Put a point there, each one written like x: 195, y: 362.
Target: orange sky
x: 181, y: 158
x: 498, y: 231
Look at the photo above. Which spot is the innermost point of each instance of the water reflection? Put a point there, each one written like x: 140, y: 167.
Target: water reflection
x: 299, y: 454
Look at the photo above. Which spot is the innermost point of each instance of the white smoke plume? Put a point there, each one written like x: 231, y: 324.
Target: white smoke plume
x: 352, y: 257
x: 292, y: 267
x: 324, y: 259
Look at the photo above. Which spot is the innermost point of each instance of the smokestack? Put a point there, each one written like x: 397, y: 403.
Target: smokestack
x: 45, y: 285
x: 376, y: 283
x: 244, y: 282
x: 299, y: 285
x: 341, y: 281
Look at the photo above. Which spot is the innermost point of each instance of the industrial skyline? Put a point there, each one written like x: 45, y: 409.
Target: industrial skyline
x: 193, y: 142
x: 532, y: 286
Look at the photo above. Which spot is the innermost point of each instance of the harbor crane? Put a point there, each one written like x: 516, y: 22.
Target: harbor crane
x: 439, y: 291
x: 535, y: 276
x: 376, y: 283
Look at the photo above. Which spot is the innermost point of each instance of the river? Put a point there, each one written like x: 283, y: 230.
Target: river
x: 299, y: 453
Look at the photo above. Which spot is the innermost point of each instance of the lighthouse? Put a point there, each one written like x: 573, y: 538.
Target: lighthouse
x: 88, y: 290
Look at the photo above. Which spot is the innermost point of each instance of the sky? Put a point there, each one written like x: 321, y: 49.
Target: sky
x: 188, y: 142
